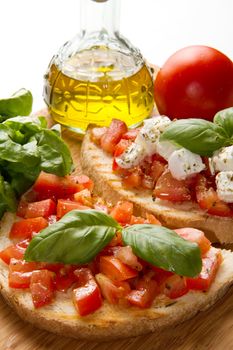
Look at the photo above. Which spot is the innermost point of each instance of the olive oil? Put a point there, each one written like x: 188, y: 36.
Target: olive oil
x: 82, y: 92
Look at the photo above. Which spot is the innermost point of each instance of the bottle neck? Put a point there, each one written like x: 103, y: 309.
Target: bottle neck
x: 100, y: 16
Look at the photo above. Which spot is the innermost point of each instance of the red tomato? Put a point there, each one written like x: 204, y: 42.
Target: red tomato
x: 42, y: 287
x: 196, y: 81
x: 87, y: 297
x: 53, y: 186
x: 64, y: 206
x: 174, y: 287
x: 20, y: 272
x: 121, y: 147
x: 160, y: 274
x: 82, y: 182
x: 145, y: 293
x: 110, y: 290
x: 157, y: 169
x: 194, y: 235
x: 43, y: 208
x: 84, y: 197
x: 122, y: 212
x: 208, y: 200
x: 171, y: 189
x: 210, y: 265
x: 14, y: 251
x: 97, y: 133
x: 131, y: 134
x: 132, y: 180
x: 115, y: 269
x: 25, y: 228
x: 113, y: 135
x: 64, y: 278
x: 126, y: 255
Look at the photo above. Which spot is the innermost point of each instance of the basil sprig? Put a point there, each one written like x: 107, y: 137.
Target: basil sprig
x: 75, y: 239
x: 81, y: 234
x: 162, y: 247
x: 201, y: 136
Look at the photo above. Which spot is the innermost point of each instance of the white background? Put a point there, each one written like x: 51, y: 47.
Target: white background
x: 31, y: 31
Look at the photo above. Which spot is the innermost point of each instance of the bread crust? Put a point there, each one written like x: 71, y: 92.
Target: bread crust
x: 98, y: 165
x: 110, y: 321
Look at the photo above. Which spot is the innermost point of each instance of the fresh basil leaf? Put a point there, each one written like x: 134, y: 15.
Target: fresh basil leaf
x: 162, y: 247
x: 75, y: 239
x: 54, y: 153
x: 224, y: 119
x: 197, y: 135
x: 20, y: 103
x: 7, y: 197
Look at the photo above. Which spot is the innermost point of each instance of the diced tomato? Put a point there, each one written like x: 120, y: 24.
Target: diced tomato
x: 84, y: 197
x: 159, y: 158
x: 170, y: 189
x: 87, y: 297
x: 22, y: 208
x: 110, y: 290
x: 115, y: 269
x: 117, y: 240
x: 52, y: 219
x: 113, y: 135
x: 122, y: 212
x: 147, y: 182
x: 26, y: 227
x: 146, y: 291
x: 52, y: 186
x: 135, y: 220
x: 208, y: 200
x: 194, y: 235
x: 64, y: 206
x: 14, y: 251
x: 131, y: 134
x: 82, y: 182
x: 64, y: 278
x: 43, y: 208
x: 42, y: 287
x: 157, y: 169
x: 160, y: 274
x: 210, y: 265
x: 51, y: 267
x: 126, y: 255
x: 20, y: 272
x: 121, y: 147
x: 174, y: 287
x: 97, y: 133
x: 151, y: 219
x: 132, y: 180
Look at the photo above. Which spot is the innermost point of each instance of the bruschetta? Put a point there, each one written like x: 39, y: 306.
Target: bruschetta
x: 123, y: 170
x: 118, y: 291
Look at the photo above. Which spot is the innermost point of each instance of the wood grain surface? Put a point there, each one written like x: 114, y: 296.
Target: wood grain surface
x: 209, y: 330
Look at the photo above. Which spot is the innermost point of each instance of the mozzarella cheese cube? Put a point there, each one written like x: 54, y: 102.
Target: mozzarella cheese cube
x: 183, y: 163
x: 222, y: 160
x: 132, y: 156
x: 224, y: 184
x: 150, y: 133
x: 166, y: 148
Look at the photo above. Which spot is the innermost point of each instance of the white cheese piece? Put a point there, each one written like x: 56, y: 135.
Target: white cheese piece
x: 224, y: 184
x: 223, y: 159
x: 166, y: 148
x: 183, y: 163
x: 211, y: 166
x: 132, y: 156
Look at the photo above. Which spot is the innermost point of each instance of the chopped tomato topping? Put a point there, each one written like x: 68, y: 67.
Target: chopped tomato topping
x: 115, y: 269
x: 210, y: 265
x: 113, y: 135
x: 20, y: 272
x: 84, y: 197
x: 82, y: 182
x: 160, y: 274
x: 174, y: 287
x: 43, y: 208
x: 126, y: 255
x: 87, y: 297
x: 208, y: 200
x: 110, y: 290
x: 171, y: 189
x: 157, y: 169
x: 121, y: 147
x: 122, y: 212
x: 42, y: 287
x: 52, y: 186
x: 196, y: 236
x: 97, y: 133
x: 132, y: 180
x: 64, y: 206
x: 131, y: 134
x: 64, y: 278
x: 145, y: 292
x: 27, y: 227
x: 14, y: 251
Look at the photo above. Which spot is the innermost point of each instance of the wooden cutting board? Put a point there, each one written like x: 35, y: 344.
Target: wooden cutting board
x: 210, y: 330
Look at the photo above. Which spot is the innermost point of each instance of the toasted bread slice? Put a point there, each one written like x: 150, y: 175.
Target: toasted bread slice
x: 98, y: 166
x: 110, y: 321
